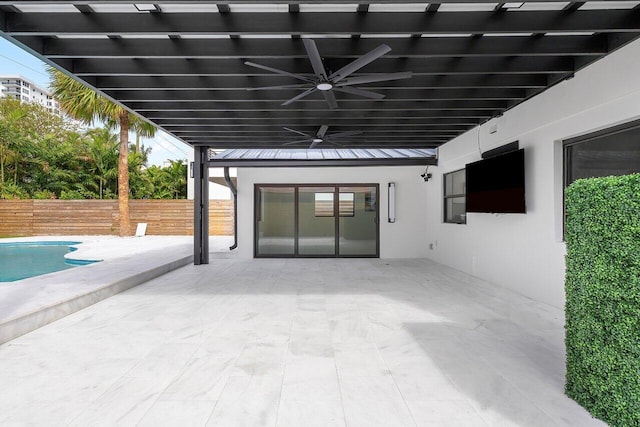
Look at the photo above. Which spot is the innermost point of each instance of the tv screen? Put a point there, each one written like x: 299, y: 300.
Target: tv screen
x: 496, y: 184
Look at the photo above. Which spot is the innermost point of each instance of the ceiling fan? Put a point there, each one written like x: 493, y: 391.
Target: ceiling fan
x: 337, y: 81
x: 321, y: 136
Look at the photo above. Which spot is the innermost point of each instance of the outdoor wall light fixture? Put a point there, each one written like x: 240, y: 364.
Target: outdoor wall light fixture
x: 191, y: 166
x: 391, y: 190
x: 426, y: 175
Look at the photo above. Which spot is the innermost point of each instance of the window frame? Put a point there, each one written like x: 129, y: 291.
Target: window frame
x: 445, y: 197
x: 572, y: 142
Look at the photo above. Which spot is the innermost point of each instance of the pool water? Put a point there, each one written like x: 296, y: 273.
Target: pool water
x: 27, y: 259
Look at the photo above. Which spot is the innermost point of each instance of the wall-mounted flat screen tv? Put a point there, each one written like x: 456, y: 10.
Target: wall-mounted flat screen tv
x: 496, y: 184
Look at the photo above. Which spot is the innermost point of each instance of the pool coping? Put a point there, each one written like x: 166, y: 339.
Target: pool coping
x: 68, y: 291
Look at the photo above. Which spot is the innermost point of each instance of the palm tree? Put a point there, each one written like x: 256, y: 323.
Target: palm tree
x: 84, y: 104
x: 177, y: 177
x: 103, y: 146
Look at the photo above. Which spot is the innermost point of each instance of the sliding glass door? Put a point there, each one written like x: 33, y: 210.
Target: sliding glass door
x: 275, y: 221
x: 335, y: 220
x: 358, y: 225
x: 316, y: 221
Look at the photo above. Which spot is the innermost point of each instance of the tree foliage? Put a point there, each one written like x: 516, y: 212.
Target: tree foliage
x: 44, y: 156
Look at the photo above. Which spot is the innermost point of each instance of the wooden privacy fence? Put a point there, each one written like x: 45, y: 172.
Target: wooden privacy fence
x: 92, y: 217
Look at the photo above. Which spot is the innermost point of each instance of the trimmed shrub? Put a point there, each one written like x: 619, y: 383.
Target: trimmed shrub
x: 603, y: 297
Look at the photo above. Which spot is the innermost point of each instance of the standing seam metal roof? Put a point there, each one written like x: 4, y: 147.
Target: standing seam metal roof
x: 323, y: 154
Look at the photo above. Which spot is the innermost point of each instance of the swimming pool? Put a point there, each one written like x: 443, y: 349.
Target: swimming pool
x: 19, y: 260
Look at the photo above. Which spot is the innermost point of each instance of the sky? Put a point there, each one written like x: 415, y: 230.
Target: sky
x: 16, y: 61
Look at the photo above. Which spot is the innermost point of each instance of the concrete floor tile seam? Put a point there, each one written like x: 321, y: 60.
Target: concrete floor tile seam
x: 286, y: 361
x: 340, y: 393
x: 399, y: 389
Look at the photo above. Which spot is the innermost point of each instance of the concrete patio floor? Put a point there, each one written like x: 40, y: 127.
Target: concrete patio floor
x: 316, y: 342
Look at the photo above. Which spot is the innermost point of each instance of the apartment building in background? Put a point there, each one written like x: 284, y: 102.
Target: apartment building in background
x: 18, y: 87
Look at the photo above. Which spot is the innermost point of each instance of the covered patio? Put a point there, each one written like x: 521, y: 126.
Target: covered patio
x: 460, y: 322
x: 311, y: 342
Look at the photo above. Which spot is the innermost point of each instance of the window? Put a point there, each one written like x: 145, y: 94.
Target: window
x: 323, y: 204
x: 454, y: 194
x: 346, y: 204
x: 612, y: 152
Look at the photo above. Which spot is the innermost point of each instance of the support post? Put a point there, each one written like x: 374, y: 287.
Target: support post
x: 201, y: 206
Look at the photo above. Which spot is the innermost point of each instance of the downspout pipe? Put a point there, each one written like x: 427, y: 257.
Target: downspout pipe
x: 234, y: 190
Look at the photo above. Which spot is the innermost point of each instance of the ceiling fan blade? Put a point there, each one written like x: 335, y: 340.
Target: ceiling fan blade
x: 359, y: 92
x: 333, y: 143
x: 298, y: 132
x: 277, y: 71
x: 300, y: 86
x: 323, y: 129
x: 375, y: 78
x: 359, y: 63
x: 344, y: 134
x: 300, y: 141
x: 300, y: 96
x: 314, y: 57
x: 330, y: 98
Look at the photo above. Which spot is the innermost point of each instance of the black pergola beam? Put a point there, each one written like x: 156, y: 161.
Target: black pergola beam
x: 280, y: 139
x: 427, y: 116
x: 373, y: 112
x: 254, y: 49
x: 278, y: 131
x: 320, y: 23
x: 313, y: 125
x: 283, y: 95
x: 264, y: 124
x: 214, y: 67
x: 141, y: 82
x: 321, y: 104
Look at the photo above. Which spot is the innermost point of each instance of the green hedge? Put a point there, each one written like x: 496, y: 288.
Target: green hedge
x: 603, y: 297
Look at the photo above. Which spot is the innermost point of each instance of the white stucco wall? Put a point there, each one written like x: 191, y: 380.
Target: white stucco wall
x: 526, y: 252
x: 402, y: 239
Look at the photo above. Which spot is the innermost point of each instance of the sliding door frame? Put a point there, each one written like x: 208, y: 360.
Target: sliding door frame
x: 336, y: 216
